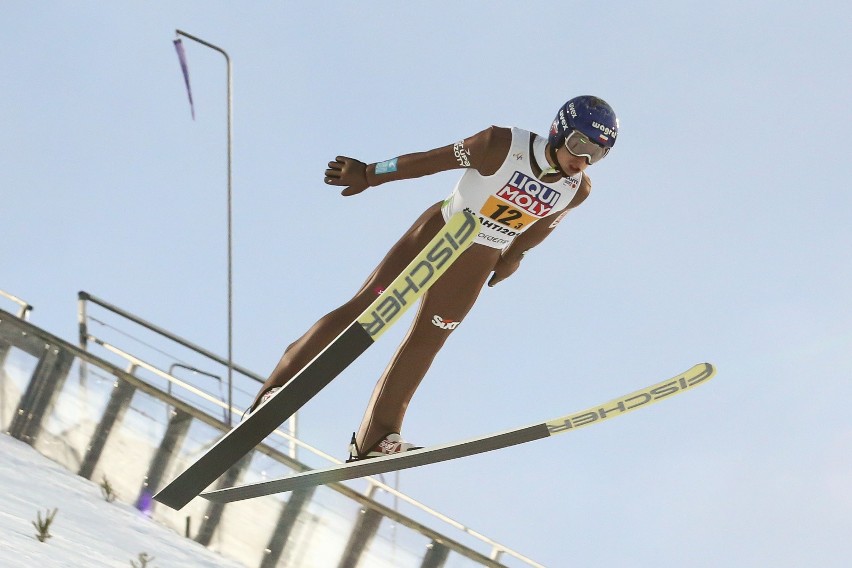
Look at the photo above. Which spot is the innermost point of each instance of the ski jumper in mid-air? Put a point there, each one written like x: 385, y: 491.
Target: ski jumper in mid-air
x: 519, y: 184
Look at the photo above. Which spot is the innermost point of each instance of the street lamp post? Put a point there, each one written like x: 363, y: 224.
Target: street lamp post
x: 230, y: 222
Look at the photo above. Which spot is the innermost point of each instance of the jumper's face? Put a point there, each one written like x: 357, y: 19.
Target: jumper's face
x: 580, y: 145
x: 570, y: 164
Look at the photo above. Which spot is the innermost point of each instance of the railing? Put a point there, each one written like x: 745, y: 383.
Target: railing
x: 197, y: 398
x: 107, y: 424
x: 25, y: 308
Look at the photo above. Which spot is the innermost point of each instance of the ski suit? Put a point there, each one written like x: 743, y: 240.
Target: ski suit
x: 503, y: 186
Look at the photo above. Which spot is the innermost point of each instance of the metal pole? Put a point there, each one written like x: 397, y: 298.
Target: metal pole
x: 174, y: 366
x: 230, y: 225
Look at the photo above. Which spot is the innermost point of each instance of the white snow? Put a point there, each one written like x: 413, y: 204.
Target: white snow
x: 87, y: 531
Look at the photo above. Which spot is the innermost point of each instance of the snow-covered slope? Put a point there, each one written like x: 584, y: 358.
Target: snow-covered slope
x: 87, y: 530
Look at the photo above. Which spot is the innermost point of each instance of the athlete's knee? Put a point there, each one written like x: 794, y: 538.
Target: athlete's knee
x: 429, y: 223
x: 431, y: 333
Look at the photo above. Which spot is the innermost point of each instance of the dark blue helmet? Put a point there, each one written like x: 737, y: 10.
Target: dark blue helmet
x: 589, y: 115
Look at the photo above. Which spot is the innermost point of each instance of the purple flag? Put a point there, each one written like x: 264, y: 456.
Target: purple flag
x: 145, y: 503
x: 182, y: 57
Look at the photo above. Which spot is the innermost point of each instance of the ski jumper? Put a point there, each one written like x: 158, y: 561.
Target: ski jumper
x: 507, y: 202
x: 502, y: 185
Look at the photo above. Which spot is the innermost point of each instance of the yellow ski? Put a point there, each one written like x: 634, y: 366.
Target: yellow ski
x: 697, y: 375
x: 447, y: 246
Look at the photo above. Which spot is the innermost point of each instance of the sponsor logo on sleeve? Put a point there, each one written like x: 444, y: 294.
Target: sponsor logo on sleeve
x: 462, y: 154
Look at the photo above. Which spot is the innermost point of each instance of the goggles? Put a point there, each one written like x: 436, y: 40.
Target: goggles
x: 581, y: 146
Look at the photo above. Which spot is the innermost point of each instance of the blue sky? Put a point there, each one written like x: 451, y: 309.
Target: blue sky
x: 718, y: 229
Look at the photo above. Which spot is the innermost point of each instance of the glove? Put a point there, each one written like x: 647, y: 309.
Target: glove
x: 348, y: 173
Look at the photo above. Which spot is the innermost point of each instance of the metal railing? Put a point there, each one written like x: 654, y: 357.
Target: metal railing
x: 95, y: 429
x: 83, y: 298
x: 25, y: 308
x: 288, y: 436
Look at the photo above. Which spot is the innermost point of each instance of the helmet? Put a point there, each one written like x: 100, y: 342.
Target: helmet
x: 589, y: 115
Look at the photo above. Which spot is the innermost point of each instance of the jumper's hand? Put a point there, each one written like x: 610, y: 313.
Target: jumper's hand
x: 347, y: 172
x: 503, y: 268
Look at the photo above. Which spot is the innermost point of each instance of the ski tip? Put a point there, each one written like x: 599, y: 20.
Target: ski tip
x: 698, y: 374
x: 709, y: 370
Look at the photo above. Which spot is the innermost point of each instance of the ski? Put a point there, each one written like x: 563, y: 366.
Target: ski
x: 695, y: 376
x: 386, y: 310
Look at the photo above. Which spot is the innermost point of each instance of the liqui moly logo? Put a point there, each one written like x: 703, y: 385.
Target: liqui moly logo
x: 529, y: 194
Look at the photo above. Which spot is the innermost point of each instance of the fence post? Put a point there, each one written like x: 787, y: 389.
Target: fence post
x: 119, y: 402
x: 42, y: 391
